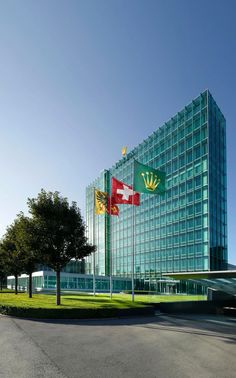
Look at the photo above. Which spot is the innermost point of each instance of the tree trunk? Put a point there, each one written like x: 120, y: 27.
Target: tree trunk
x: 30, y: 285
x: 58, y: 289
x: 1, y: 283
x: 16, y: 284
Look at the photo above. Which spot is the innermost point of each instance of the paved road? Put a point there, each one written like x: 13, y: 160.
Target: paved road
x: 162, y: 347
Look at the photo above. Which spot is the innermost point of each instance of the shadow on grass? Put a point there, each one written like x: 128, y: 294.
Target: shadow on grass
x: 91, y: 299
x: 98, y: 299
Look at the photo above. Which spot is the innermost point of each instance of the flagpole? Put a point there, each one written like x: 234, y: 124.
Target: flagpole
x: 111, y: 272
x: 94, y: 283
x: 98, y: 219
x: 132, y: 256
x: 110, y: 253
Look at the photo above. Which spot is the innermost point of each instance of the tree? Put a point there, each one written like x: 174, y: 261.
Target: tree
x: 12, y: 256
x: 3, y: 269
x: 28, y: 245
x: 60, y: 230
x: 20, y: 249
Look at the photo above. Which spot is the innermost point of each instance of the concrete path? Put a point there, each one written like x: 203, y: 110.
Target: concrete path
x: 161, y: 346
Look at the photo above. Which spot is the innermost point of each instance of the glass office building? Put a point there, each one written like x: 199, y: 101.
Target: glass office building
x: 186, y: 228
x: 45, y: 280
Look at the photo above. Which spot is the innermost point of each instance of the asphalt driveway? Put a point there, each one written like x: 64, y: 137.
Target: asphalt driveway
x: 161, y: 346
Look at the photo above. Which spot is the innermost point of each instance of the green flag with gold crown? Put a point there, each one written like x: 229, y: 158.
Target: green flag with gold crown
x: 148, y: 180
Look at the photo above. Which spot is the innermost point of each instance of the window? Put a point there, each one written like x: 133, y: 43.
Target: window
x: 197, y: 152
x: 196, y: 122
x: 204, y: 179
x: 197, y: 181
x: 174, y: 151
x: 204, y: 116
x: 182, y: 201
x: 189, y: 142
x: 182, y: 175
x: 196, y: 106
x: 190, y: 223
x: 198, y: 195
x: 168, y: 168
x: 190, y: 236
x: 168, y: 206
x: 205, y: 235
x: 182, y: 213
x: 204, y: 132
x: 204, y: 148
x: 205, y: 193
x: 182, y: 188
x: 190, y: 210
x: 182, y: 226
x: 181, y: 161
x: 174, y: 140
x: 198, y: 208
x: 175, y: 191
x: 181, y: 133
x: 205, y: 220
x: 196, y: 137
x: 189, y: 185
x: 168, y: 155
x: 204, y: 164
x: 188, y: 112
x: 198, y: 221
x: 189, y: 127
x: 205, y: 207
x: 198, y: 235
x: 181, y: 147
x: 189, y: 197
x: 190, y: 172
x: 189, y: 157
x: 175, y: 203
x: 175, y: 165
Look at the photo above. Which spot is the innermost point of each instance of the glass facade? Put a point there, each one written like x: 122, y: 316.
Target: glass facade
x: 186, y: 228
x: 46, y: 280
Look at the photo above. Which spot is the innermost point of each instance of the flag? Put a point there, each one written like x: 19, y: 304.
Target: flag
x: 123, y: 193
x: 124, y: 151
x: 101, y: 202
x: 104, y: 204
x: 148, y: 180
x: 113, y: 209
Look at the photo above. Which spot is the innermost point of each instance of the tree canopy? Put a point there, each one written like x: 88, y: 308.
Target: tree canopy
x: 11, y: 255
x: 60, y: 229
x: 53, y: 234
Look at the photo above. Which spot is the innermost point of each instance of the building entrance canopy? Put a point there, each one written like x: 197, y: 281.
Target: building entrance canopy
x: 223, y: 280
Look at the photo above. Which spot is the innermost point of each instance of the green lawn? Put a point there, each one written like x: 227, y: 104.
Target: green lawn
x: 168, y: 298
x: 86, y: 301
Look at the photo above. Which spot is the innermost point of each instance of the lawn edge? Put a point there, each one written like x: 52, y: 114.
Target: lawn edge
x: 75, y: 313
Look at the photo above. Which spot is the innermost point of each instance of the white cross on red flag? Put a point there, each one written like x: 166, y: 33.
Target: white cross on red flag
x: 123, y: 193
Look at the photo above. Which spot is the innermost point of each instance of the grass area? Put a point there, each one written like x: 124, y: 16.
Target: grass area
x: 169, y: 298
x: 80, y: 306
x: 72, y: 306
x: 88, y: 301
x: 6, y: 290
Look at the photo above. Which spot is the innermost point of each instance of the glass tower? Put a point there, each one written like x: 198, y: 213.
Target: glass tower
x: 186, y: 228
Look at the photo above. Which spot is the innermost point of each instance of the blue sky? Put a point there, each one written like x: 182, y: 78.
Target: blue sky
x: 80, y: 79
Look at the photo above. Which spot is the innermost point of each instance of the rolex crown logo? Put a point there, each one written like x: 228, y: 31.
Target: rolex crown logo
x: 151, y: 180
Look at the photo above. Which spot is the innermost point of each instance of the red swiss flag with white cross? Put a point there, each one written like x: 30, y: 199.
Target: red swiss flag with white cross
x: 123, y: 193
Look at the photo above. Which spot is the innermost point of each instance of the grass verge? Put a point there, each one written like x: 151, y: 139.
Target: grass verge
x: 78, y: 306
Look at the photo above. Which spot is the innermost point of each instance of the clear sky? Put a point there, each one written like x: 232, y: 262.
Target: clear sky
x: 80, y: 79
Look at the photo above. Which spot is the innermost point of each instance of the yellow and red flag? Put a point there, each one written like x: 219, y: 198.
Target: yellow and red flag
x: 104, y: 204
x: 112, y: 208
x: 101, y: 202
